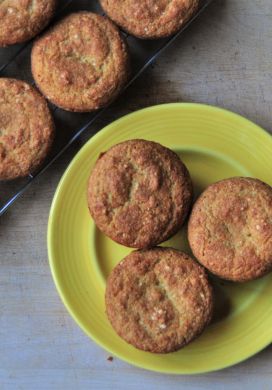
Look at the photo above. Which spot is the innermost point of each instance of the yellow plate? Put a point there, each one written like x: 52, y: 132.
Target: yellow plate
x: 214, y: 144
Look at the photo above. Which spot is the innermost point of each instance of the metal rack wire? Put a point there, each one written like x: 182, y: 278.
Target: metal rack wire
x: 69, y: 125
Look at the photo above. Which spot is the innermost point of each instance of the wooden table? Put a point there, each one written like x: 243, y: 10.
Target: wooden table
x: 224, y: 59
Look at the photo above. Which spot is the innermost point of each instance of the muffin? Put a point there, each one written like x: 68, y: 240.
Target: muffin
x: 150, y: 19
x: 158, y: 300
x: 81, y: 64
x: 21, y: 20
x: 26, y: 129
x: 139, y: 193
x: 230, y: 229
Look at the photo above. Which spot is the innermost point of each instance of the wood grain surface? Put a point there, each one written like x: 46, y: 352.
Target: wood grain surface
x: 225, y: 59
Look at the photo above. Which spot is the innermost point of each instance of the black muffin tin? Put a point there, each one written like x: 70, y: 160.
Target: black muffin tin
x: 15, y: 62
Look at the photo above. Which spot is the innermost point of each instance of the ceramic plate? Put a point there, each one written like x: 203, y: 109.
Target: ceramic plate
x: 214, y: 144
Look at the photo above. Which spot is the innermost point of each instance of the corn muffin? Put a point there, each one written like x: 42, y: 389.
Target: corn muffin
x: 82, y: 63
x: 26, y: 129
x: 21, y: 20
x: 150, y: 19
x: 139, y: 193
x: 159, y: 299
x: 230, y: 229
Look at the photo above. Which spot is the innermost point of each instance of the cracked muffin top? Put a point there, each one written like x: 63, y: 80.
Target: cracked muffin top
x: 139, y: 193
x: 150, y: 19
x: 21, y: 20
x: 230, y: 229
x: 158, y: 300
x: 26, y: 129
x: 81, y: 64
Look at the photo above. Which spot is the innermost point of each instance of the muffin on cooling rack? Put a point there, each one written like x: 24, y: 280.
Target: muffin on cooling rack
x: 139, y: 193
x: 21, y: 20
x: 26, y: 129
x: 150, y: 19
x: 230, y: 229
x: 158, y: 300
x: 81, y: 64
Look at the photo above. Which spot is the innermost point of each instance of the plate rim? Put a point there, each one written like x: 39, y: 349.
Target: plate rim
x: 57, y: 283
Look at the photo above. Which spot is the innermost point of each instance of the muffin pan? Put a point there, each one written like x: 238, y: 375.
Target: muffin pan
x: 15, y: 62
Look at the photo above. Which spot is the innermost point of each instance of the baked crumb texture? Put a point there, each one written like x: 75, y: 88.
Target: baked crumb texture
x: 158, y: 300
x: 150, y: 19
x: 139, y: 193
x: 21, y: 20
x: 82, y: 63
x: 26, y: 129
x: 230, y: 229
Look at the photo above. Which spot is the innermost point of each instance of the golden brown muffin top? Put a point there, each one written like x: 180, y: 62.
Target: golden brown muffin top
x: 21, y: 20
x: 26, y: 129
x: 150, y: 18
x: 139, y: 193
x: 230, y: 228
x: 158, y: 300
x: 81, y: 64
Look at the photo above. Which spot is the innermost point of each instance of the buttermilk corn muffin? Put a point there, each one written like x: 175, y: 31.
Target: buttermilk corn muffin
x: 150, y: 19
x: 21, y: 20
x: 230, y: 229
x: 82, y: 63
x: 26, y: 129
x: 158, y: 300
x: 139, y: 193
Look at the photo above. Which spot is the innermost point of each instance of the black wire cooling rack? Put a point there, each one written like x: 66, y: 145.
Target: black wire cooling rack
x: 15, y: 62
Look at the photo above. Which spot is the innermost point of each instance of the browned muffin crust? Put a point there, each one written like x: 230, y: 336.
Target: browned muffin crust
x: 150, y: 19
x: 26, y: 129
x: 139, y: 193
x: 81, y: 64
x: 158, y: 300
x: 21, y: 20
x: 230, y: 229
